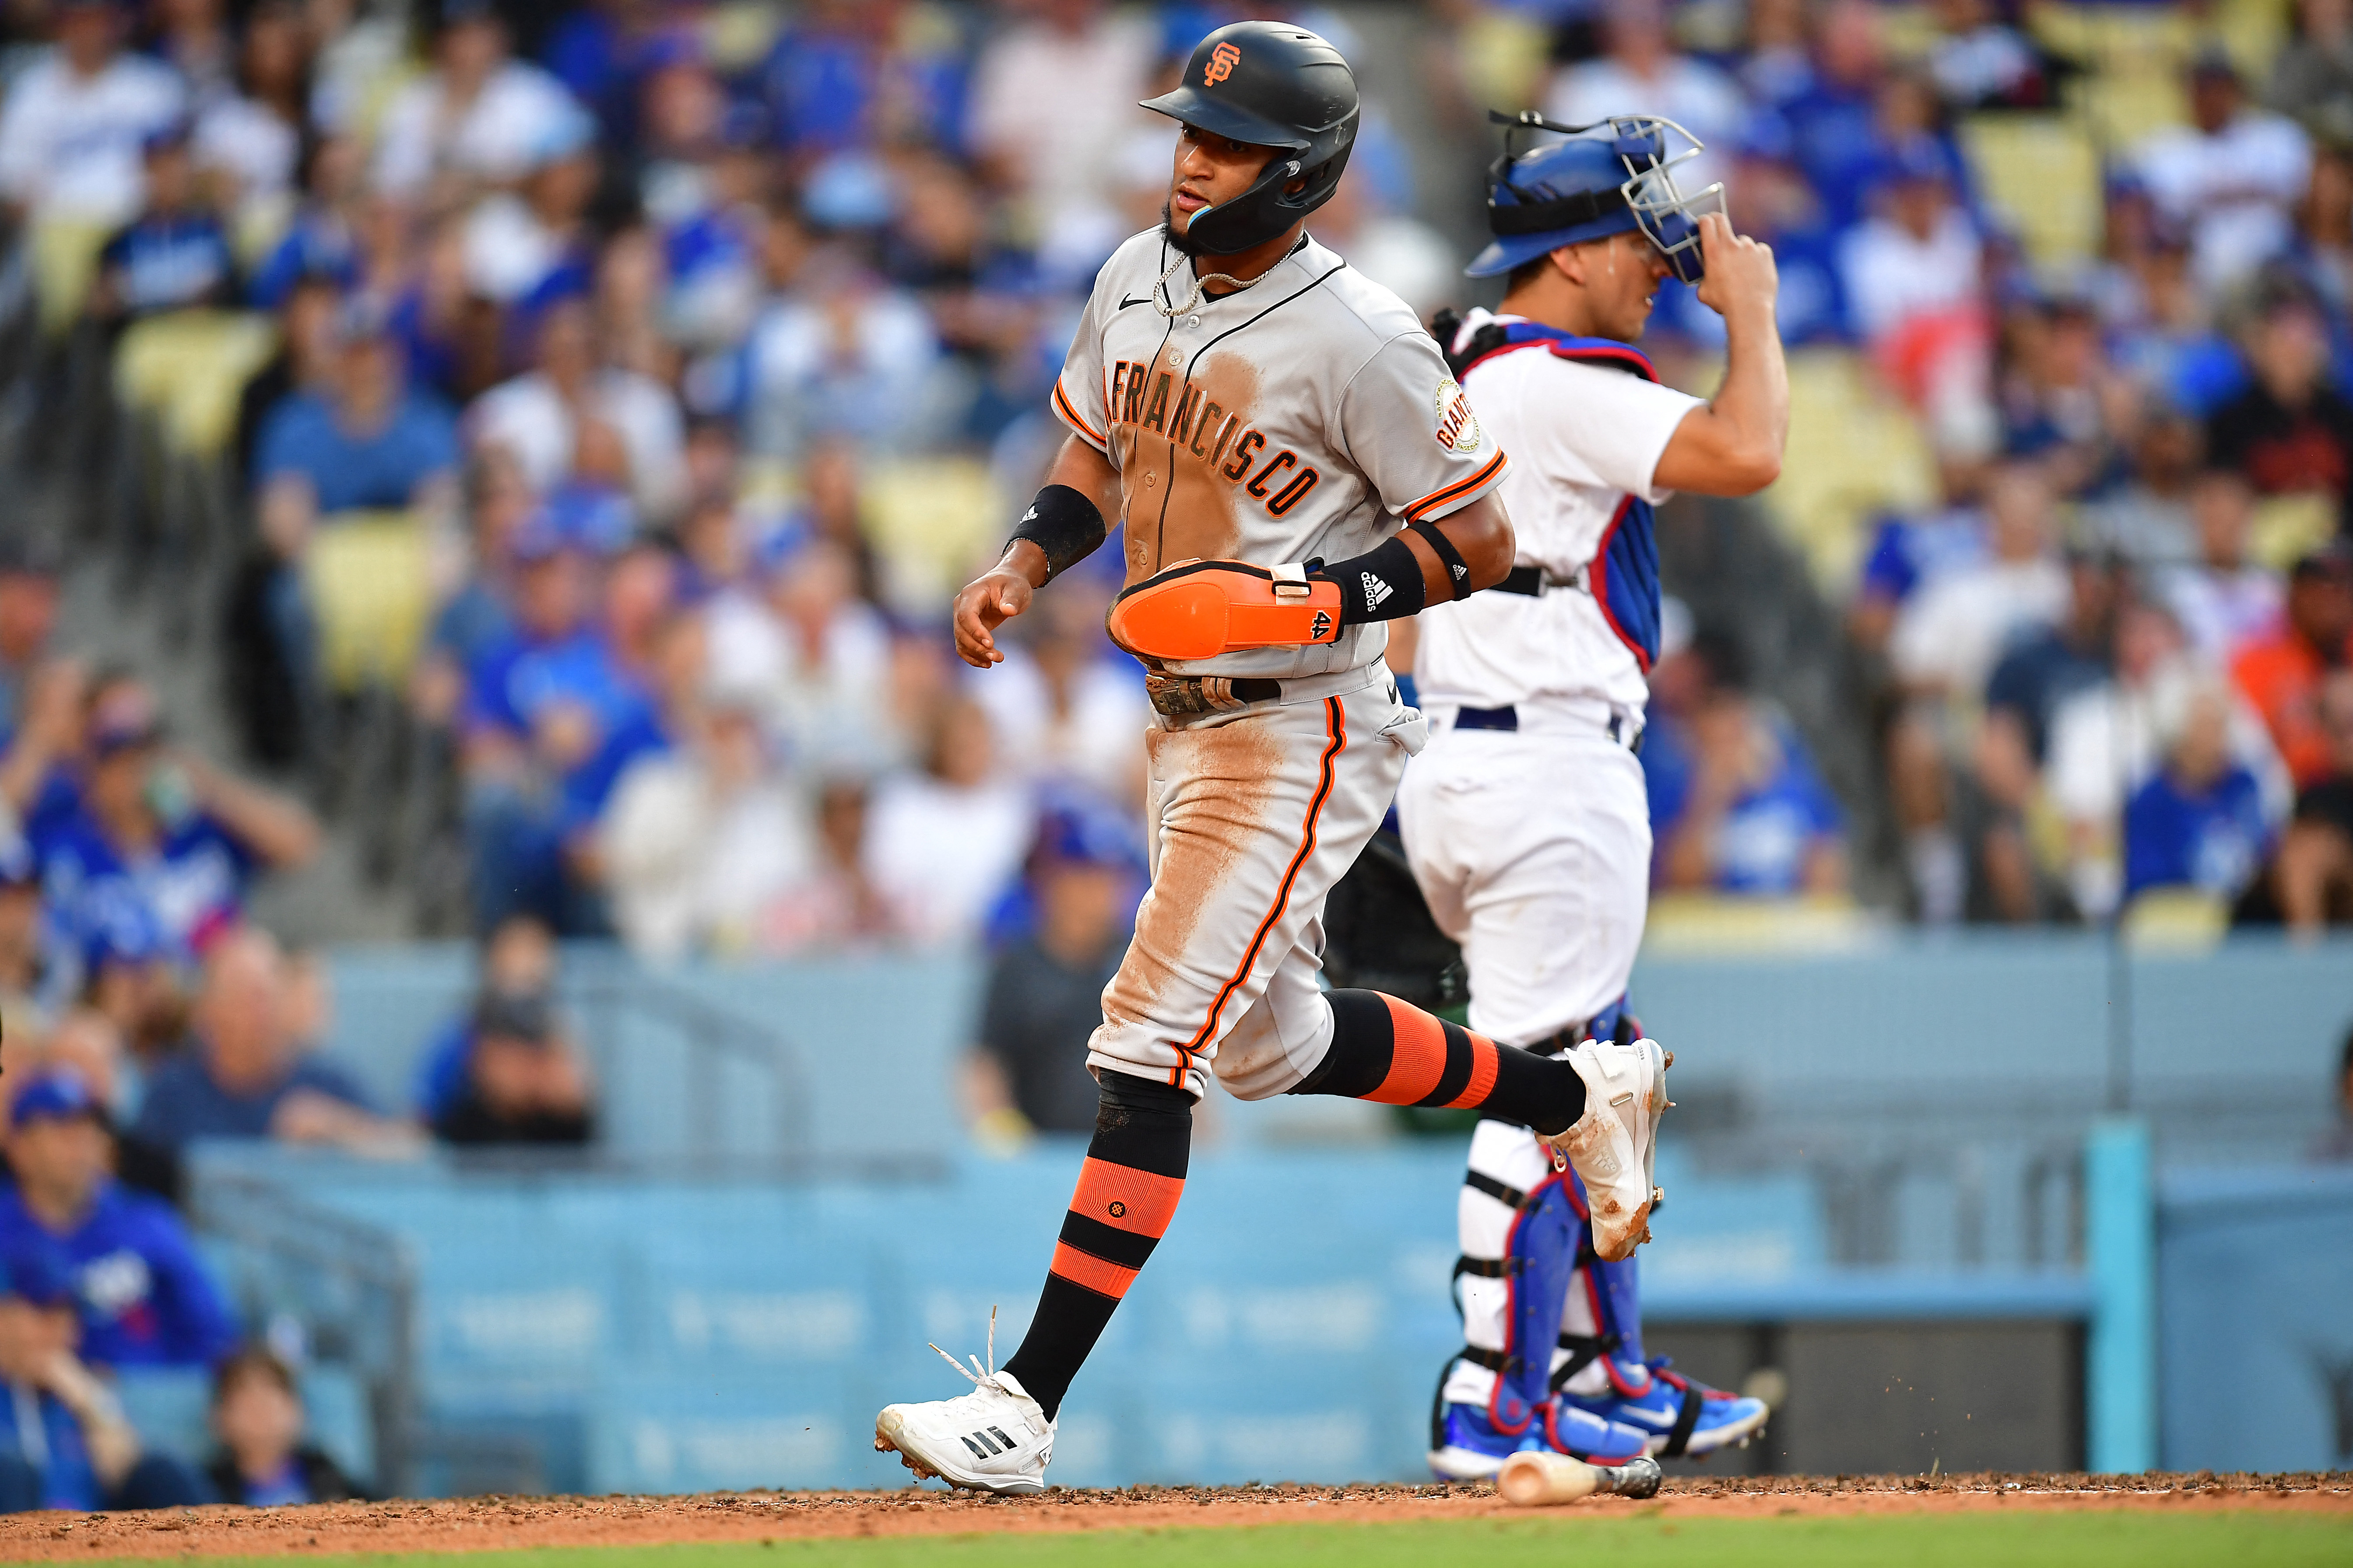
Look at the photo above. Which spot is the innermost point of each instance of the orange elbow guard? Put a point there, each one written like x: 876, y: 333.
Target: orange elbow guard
x: 1200, y: 609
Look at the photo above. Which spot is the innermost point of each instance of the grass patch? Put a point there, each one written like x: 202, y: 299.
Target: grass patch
x: 2087, y: 1538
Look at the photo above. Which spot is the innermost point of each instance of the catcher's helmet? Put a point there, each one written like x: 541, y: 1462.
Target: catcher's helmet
x: 1271, y: 85
x: 1605, y: 179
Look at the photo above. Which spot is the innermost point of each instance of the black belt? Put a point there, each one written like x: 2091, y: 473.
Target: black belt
x: 1508, y: 718
x: 1531, y: 580
x: 1178, y: 695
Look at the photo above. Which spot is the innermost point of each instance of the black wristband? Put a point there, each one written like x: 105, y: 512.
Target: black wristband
x: 1063, y: 523
x: 1458, y: 572
x: 1382, y: 585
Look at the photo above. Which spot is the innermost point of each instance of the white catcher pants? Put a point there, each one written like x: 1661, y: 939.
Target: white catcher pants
x: 1532, y: 848
x: 1252, y: 817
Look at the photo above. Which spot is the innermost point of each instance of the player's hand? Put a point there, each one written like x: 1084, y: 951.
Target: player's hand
x: 987, y: 603
x: 1742, y: 281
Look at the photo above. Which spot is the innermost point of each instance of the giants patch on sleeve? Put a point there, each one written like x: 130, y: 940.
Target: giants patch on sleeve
x: 1458, y: 426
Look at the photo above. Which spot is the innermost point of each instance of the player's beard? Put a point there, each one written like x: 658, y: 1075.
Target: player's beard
x: 1181, y: 243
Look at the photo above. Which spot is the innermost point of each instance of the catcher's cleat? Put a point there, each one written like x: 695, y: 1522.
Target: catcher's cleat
x: 1471, y: 1448
x: 994, y: 1439
x: 1614, y: 1144
x: 1680, y: 1416
x: 1200, y: 609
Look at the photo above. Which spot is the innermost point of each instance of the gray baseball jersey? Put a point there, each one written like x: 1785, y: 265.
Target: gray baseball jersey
x: 1301, y: 417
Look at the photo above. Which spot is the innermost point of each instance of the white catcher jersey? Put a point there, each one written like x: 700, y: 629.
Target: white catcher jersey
x: 1586, y: 441
x: 1301, y: 417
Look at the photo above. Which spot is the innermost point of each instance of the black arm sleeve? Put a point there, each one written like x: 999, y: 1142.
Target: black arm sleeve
x: 1382, y: 585
x: 1063, y: 523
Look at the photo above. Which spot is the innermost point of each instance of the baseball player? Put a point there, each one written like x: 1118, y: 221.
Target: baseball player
x: 1526, y: 822
x: 1293, y: 466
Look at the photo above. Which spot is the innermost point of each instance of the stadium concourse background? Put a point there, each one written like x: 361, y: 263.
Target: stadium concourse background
x: 484, y: 483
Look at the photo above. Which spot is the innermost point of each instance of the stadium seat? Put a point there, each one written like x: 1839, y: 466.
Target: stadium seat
x: 367, y: 577
x: 65, y: 265
x: 2177, y: 919
x: 2041, y: 174
x: 1853, y: 451
x: 190, y: 367
x: 932, y: 520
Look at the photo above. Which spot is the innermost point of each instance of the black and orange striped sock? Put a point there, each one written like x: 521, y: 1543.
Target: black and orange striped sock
x: 1127, y: 1194
x: 1393, y: 1053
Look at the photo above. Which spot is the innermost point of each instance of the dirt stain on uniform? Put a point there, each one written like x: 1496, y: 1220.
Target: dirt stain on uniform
x: 1188, y: 508
x: 1223, y: 777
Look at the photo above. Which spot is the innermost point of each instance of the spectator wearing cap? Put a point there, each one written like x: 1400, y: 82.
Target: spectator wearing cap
x: 244, y: 1075
x: 155, y: 836
x: 142, y: 1295
x: 175, y: 256
x: 2281, y: 675
x: 65, y: 1444
x: 1914, y: 288
x: 475, y: 118
x: 257, y: 1419
x: 574, y: 417
x: 2290, y: 432
x: 524, y: 1083
x: 2231, y: 177
x: 71, y: 135
x: 1029, y: 1065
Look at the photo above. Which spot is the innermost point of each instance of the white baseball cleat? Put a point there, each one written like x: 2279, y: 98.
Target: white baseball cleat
x: 994, y: 1439
x: 1613, y: 1145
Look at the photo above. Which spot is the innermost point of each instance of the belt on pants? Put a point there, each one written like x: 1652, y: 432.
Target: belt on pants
x: 1187, y: 696
x: 1535, y: 582
x: 1507, y: 717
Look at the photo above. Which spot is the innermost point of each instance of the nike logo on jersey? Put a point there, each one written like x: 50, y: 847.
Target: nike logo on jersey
x: 1124, y: 302
x: 1376, y: 591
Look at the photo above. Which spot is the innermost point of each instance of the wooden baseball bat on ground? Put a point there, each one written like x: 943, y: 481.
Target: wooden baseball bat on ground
x: 1548, y: 1481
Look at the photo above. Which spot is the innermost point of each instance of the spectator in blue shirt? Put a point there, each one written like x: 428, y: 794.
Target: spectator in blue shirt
x: 244, y: 1076
x: 140, y: 1293
x: 366, y: 441
x: 1735, y: 803
x: 175, y: 256
x: 154, y: 837
x: 2199, y: 822
x: 64, y: 1443
x: 552, y: 713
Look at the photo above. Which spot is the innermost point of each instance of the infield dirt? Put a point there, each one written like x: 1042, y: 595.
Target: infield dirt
x: 505, y: 1523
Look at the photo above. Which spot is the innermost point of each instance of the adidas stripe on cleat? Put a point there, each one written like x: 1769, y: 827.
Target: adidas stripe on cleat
x: 994, y: 1439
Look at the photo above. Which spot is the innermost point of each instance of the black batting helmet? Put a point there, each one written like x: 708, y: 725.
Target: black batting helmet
x: 1271, y: 85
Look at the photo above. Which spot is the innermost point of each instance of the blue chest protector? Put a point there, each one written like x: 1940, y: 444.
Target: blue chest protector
x: 1624, y: 572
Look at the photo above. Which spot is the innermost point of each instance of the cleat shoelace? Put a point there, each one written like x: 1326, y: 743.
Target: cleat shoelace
x: 978, y: 1375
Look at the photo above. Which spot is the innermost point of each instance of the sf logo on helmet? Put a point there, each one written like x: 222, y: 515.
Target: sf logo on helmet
x: 1222, y: 61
